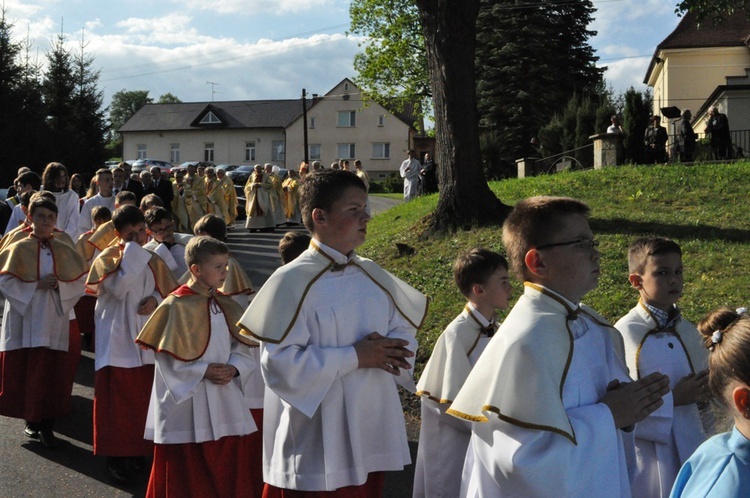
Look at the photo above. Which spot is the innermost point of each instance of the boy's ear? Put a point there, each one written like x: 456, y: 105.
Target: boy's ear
x: 635, y: 280
x: 318, y: 216
x: 477, y: 289
x: 535, y: 262
x: 195, y: 269
x: 741, y: 398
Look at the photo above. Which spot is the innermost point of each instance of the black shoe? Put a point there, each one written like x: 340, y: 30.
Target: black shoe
x: 31, y: 431
x: 116, y: 468
x: 48, y: 439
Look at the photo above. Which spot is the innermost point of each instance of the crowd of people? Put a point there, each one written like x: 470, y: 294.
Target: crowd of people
x: 292, y: 390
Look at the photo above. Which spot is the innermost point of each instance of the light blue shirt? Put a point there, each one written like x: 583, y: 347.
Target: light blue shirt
x: 719, y: 468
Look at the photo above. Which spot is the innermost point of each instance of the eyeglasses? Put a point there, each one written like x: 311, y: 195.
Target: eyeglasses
x: 586, y: 244
x: 163, y: 231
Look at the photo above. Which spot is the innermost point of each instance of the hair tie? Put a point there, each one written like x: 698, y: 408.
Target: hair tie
x: 741, y: 311
x: 716, y: 337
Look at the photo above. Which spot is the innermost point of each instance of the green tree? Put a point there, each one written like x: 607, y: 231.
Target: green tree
x: 523, y: 48
x: 168, y: 98
x: 392, y: 69
x: 10, y: 108
x: 635, y: 117
x: 125, y: 104
x: 58, y: 87
x: 714, y: 10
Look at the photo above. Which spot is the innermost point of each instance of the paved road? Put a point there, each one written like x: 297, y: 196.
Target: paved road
x: 27, y: 469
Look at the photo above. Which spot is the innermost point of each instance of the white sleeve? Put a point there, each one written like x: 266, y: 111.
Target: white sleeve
x: 301, y: 373
x: 18, y: 293
x: 84, y: 219
x: 134, y: 261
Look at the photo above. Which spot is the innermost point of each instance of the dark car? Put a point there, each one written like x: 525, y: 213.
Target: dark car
x: 184, y: 165
x: 144, y: 164
x: 240, y: 175
x: 227, y: 167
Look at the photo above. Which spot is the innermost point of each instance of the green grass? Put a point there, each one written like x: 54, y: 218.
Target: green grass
x: 704, y: 208
x: 398, y: 196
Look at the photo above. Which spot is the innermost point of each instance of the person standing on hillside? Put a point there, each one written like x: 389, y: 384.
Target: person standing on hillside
x: 409, y: 171
x: 721, y: 140
x: 655, y: 140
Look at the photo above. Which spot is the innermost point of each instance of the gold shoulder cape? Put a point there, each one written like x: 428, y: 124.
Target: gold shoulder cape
x: 276, y: 307
x: 103, y: 236
x: 21, y: 259
x: 109, y: 261
x: 520, y: 376
x: 181, y: 325
x: 639, y: 325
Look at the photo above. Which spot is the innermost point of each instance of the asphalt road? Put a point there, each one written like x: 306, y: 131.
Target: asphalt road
x: 27, y: 469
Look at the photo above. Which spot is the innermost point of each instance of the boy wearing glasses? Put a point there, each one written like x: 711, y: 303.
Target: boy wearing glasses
x: 658, y: 339
x: 550, y: 391
x: 170, y: 246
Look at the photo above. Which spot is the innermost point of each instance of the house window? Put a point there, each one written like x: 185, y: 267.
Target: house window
x: 381, y: 151
x: 381, y: 120
x: 174, y: 156
x: 277, y: 150
x: 210, y: 118
x: 347, y: 119
x: 314, y: 151
x: 208, y: 152
x: 312, y: 122
x: 346, y: 151
x: 142, y: 151
x: 346, y: 87
x: 249, y: 151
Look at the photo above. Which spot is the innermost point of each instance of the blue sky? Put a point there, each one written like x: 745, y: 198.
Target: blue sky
x: 266, y: 49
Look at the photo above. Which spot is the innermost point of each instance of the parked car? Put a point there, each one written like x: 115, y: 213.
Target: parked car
x: 143, y: 164
x: 184, y: 165
x: 240, y: 175
x: 227, y: 167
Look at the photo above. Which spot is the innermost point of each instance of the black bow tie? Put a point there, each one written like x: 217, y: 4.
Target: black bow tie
x: 489, y: 330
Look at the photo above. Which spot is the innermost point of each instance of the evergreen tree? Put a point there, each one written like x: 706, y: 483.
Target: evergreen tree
x: 635, y: 121
x: 10, y: 109
x: 531, y: 58
x: 58, y: 88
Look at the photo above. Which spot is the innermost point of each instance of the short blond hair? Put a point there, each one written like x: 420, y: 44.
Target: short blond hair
x: 532, y: 223
x: 202, y: 247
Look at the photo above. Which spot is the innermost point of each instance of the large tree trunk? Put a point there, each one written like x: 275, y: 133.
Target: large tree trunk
x: 449, y: 28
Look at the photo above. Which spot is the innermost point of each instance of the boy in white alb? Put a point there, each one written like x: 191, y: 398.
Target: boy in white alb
x: 198, y: 412
x: 658, y: 339
x: 129, y: 283
x: 338, y: 335
x: 482, y: 276
x: 170, y: 246
x: 551, y: 413
x: 105, y: 198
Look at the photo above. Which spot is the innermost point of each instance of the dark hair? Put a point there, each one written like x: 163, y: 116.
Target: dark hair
x: 726, y: 334
x: 81, y: 191
x: 41, y: 202
x: 127, y: 215
x: 151, y: 200
x: 532, y: 223
x: 26, y: 197
x: 156, y: 215
x: 322, y: 189
x: 51, y: 173
x: 30, y: 178
x: 292, y: 245
x: 125, y: 196
x: 200, y: 248
x: 474, y: 267
x: 211, y: 225
x: 101, y: 214
x: 645, y: 247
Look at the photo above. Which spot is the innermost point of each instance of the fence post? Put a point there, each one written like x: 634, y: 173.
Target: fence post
x: 608, y: 149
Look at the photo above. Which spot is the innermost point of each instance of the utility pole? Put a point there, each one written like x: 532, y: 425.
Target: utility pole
x: 304, y: 126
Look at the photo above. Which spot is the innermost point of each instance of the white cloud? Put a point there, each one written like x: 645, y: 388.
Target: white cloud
x: 251, y: 7
x: 625, y: 73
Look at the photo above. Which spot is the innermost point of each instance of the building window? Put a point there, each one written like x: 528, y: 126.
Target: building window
x: 381, y: 120
x: 142, y: 151
x: 314, y: 151
x: 381, y: 151
x: 346, y: 151
x: 175, y: 154
x: 347, y: 119
x: 210, y: 118
x: 208, y: 152
x: 249, y: 151
x: 312, y: 122
x: 346, y: 87
x: 277, y: 151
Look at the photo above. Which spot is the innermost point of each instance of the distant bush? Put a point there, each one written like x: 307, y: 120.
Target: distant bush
x: 394, y: 184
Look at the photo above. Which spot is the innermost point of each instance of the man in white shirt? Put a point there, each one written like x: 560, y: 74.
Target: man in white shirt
x: 409, y: 171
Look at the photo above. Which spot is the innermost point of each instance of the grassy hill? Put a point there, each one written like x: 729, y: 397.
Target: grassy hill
x: 703, y: 207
